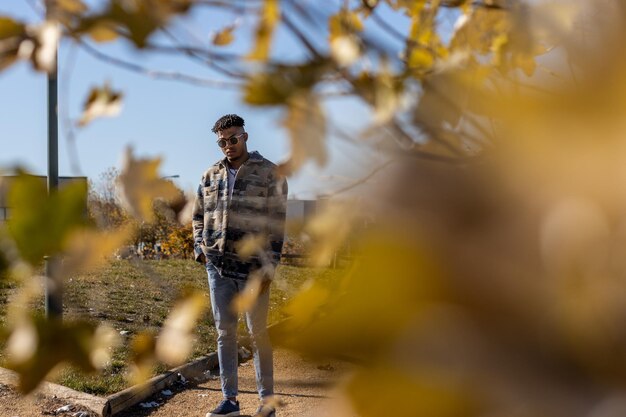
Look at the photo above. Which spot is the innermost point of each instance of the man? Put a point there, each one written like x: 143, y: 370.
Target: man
x: 241, y: 198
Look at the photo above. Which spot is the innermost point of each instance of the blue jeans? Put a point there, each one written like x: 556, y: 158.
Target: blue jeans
x: 223, y: 291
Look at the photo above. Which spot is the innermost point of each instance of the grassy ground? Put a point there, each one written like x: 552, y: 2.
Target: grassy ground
x: 136, y: 296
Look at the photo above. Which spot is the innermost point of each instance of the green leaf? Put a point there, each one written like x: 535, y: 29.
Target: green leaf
x: 40, y: 223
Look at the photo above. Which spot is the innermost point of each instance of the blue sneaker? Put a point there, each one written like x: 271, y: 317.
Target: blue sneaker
x: 265, y: 411
x: 226, y: 408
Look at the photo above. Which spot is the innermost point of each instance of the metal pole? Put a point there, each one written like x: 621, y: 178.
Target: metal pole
x: 54, y: 285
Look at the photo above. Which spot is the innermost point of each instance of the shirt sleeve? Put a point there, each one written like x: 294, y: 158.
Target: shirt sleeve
x: 197, y: 223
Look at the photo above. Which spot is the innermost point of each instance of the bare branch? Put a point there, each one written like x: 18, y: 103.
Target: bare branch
x: 163, y: 75
x: 195, y: 50
x: 209, y: 62
x: 395, y: 125
x: 388, y: 28
x: 242, y: 8
x: 364, y: 179
x: 301, y: 37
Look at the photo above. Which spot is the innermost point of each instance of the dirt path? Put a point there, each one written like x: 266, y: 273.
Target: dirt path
x: 304, y: 388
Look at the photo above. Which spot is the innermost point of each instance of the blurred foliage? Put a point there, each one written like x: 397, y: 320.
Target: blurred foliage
x: 490, y: 276
x: 35, y: 348
x: 101, y: 102
x: 36, y: 214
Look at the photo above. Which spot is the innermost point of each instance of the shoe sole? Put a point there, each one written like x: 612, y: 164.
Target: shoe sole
x: 234, y: 413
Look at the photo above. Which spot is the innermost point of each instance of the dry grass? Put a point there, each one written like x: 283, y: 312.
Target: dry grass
x: 137, y: 296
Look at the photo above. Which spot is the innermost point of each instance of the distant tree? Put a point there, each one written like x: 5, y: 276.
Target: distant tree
x: 103, y: 203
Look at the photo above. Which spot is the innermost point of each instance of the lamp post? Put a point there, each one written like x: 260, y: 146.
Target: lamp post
x: 54, y: 284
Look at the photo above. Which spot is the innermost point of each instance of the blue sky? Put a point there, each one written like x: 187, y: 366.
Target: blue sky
x: 166, y: 119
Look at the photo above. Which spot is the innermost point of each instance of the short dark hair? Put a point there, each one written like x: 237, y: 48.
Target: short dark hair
x: 227, y: 121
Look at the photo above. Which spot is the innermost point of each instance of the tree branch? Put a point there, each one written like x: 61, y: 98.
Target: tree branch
x: 303, y: 39
x: 364, y: 179
x: 209, y: 62
x: 163, y: 75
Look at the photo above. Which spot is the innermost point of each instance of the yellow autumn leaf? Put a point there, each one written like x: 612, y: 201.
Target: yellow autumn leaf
x: 344, y: 23
x: 139, y: 184
x: 305, y: 305
x: 368, y: 6
x: 419, y: 23
x: 103, y: 31
x: 424, y: 395
x: 101, y: 102
x: 306, y: 123
x: 36, y: 346
x: 250, y: 245
x: 71, y: 6
x: 448, y: 96
x: 59, y: 214
x: 329, y: 229
x: 477, y: 30
x: 89, y: 248
x: 10, y: 41
x: 245, y: 300
x: 139, y: 19
x: 10, y: 28
x: 175, y: 341
x: 390, y: 271
x: 526, y: 63
x: 270, y: 16
x: 387, y: 96
x: 420, y: 59
x: 104, y: 341
x: 143, y: 357
x: 345, y: 50
x: 224, y: 37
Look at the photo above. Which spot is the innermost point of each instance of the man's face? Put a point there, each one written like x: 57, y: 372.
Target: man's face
x: 236, y: 151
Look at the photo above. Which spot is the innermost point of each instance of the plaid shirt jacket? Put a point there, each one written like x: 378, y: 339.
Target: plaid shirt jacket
x: 256, y: 211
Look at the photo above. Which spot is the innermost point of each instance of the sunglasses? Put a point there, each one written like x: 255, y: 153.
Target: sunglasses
x: 233, y: 140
